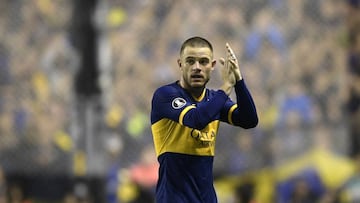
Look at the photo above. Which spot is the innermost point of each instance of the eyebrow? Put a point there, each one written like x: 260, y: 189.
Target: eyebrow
x: 194, y: 57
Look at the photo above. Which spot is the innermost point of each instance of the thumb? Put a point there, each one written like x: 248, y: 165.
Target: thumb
x: 222, y: 61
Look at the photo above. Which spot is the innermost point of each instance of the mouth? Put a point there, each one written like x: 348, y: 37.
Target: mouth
x: 196, y: 76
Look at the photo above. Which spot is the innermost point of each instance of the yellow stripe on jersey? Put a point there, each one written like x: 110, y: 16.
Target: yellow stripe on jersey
x: 201, y: 96
x: 231, y: 110
x: 183, y: 112
x: 171, y: 136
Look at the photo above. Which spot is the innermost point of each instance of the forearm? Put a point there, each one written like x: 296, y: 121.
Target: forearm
x: 205, y: 112
x: 227, y: 87
x: 245, y: 115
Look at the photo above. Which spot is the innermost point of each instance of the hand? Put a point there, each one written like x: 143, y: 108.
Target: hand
x: 228, y: 77
x: 229, y: 80
x: 227, y: 74
x: 231, y: 63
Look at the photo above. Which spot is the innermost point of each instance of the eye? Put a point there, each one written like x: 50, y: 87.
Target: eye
x: 204, y: 61
x: 190, y: 61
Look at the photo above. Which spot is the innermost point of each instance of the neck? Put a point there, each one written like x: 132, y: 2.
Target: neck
x: 195, y: 92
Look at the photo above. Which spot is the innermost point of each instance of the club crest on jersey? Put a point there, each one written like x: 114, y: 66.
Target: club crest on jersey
x: 178, y: 102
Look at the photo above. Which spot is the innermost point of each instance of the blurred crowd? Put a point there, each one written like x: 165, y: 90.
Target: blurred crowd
x: 35, y: 89
x: 300, y: 59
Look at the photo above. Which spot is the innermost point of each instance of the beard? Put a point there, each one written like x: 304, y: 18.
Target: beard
x: 199, y: 82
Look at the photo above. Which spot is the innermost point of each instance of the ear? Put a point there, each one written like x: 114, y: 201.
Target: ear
x: 213, y: 63
x: 179, y: 63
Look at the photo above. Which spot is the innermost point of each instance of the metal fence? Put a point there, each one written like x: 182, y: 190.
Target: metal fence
x: 292, y: 55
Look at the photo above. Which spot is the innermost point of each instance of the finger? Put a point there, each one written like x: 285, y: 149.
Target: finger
x: 222, y: 61
x: 234, y: 64
x: 228, y: 47
x: 230, y: 53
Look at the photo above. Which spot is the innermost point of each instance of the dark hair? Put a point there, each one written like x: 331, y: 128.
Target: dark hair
x: 196, y: 42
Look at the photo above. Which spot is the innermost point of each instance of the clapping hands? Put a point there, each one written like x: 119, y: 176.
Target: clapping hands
x: 230, y: 72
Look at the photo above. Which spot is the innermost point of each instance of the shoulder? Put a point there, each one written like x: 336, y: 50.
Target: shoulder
x: 211, y: 92
x: 167, y: 90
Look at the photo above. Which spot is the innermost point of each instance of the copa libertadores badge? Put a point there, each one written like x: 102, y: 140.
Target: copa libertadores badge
x: 178, y: 102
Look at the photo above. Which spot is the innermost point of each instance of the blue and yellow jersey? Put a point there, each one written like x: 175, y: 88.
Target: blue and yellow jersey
x: 184, y: 131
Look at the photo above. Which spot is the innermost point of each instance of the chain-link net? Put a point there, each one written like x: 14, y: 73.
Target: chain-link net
x: 36, y: 76
x: 293, y: 56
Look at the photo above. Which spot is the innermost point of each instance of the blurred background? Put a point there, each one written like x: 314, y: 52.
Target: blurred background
x: 77, y: 77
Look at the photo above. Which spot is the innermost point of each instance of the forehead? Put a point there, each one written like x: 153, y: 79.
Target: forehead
x: 198, y: 52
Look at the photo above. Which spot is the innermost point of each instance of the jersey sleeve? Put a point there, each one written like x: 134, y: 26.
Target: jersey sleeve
x: 168, y: 103
x: 243, y: 112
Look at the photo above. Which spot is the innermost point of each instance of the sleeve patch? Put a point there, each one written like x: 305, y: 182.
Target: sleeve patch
x: 178, y: 103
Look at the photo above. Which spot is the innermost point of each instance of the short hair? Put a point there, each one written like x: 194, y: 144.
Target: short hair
x: 196, y: 42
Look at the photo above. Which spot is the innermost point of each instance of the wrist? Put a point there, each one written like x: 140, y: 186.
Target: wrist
x: 226, y: 87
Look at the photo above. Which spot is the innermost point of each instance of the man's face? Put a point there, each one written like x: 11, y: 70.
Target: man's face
x: 196, y: 64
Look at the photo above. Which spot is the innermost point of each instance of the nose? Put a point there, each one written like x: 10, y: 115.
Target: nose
x: 196, y: 66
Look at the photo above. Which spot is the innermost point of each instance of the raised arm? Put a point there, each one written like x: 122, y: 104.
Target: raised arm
x: 244, y: 114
